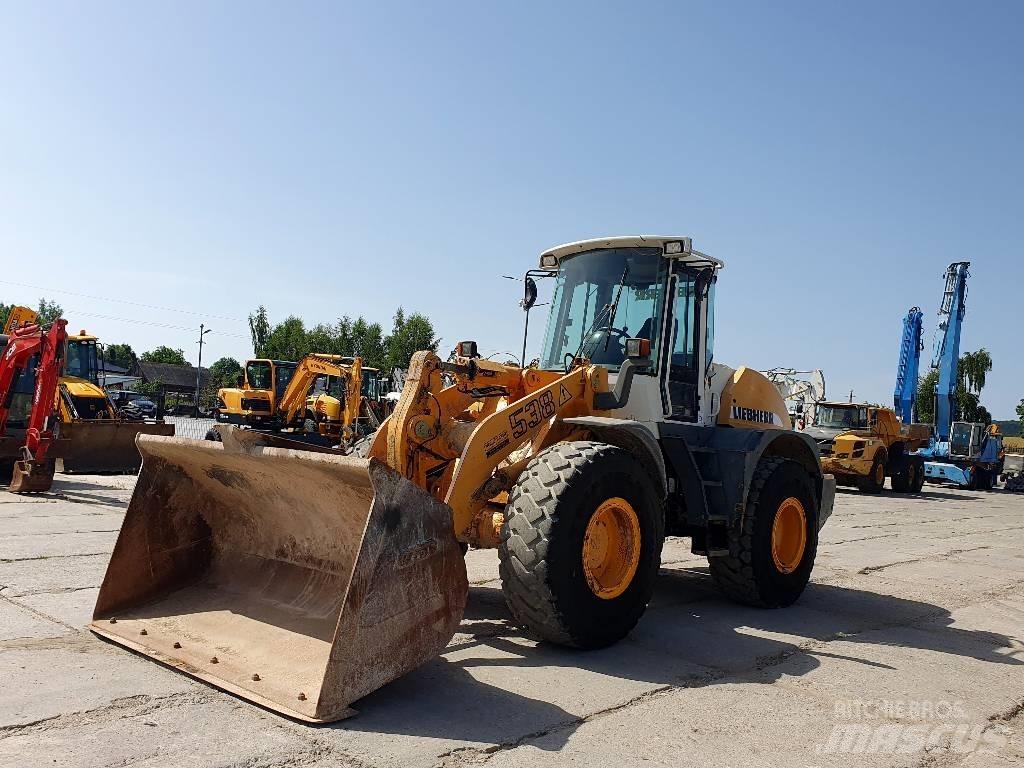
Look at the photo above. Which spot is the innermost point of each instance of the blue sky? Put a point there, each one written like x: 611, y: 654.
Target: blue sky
x: 329, y: 159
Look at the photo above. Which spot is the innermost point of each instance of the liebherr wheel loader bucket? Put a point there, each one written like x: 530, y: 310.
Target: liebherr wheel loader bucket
x: 298, y: 580
x: 105, y: 445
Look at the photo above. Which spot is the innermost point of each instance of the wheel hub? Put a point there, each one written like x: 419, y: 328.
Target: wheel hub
x: 611, y: 548
x: 789, y: 535
x: 880, y: 474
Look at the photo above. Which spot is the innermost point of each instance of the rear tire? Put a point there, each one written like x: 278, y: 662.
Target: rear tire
x: 875, y: 481
x: 213, y: 435
x: 544, y: 568
x: 910, y: 478
x: 749, y: 574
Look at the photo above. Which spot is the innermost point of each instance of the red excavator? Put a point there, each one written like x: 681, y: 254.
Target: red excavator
x: 30, y: 365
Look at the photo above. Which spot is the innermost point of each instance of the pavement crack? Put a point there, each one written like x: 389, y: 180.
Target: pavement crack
x: 127, y: 706
x: 51, y: 557
x: 940, y: 556
x: 37, y: 613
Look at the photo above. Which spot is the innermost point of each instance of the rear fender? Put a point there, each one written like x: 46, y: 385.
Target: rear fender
x: 723, y: 461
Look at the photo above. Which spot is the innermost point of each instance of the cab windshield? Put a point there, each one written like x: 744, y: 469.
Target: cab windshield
x: 581, y: 320
x: 841, y: 417
x: 82, y: 360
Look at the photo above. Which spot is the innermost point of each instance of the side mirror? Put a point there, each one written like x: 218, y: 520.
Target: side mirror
x: 529, y: 293
x: 240, y: 381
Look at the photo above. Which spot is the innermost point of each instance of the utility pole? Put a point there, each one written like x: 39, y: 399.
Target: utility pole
x: 199, y: 368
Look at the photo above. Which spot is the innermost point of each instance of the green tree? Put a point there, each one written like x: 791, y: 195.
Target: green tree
x: 1020, y: 414
x: 49, y: 311
x: 408, y: 335
x: 5, y: 310
x: 163, y: 354
x: 287, y: 341
x: 224, y: 373
x: 121, y: 355
x: 971, y: 371
x: 259, y: 326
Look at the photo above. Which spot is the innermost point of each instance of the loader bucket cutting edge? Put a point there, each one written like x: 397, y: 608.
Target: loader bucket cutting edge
x: 103, y: 445
x: 300, y: 581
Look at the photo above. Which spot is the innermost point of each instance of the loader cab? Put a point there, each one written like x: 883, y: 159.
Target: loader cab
x: 659, y: 289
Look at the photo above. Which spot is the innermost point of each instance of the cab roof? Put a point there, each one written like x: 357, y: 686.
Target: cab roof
x: 685, y: 250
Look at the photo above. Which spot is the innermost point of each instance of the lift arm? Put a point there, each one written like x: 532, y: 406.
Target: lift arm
x: 905, y: 394
x: 946, y: 354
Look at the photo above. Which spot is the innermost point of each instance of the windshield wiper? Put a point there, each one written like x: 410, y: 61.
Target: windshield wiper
x: 615, y: 306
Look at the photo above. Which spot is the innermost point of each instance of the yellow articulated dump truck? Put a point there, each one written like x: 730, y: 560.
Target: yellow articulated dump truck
x: 863, y: 444
x: 254, y: 402
x: 303, y: 581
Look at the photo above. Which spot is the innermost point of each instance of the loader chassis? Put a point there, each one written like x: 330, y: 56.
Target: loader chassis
x: 304, y: 580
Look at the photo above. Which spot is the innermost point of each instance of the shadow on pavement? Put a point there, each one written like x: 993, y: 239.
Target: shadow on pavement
x: 496, y: 688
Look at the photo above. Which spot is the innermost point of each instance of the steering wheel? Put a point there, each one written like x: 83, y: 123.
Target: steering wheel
x: 614, y: 334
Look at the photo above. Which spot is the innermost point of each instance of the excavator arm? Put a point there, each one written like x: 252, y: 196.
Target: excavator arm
x: 32, y: 472
x: 345, y: 368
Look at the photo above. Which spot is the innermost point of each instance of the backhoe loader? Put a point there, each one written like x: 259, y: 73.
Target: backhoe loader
x: 303, y: 581
x: 97, y: 438
x: 327, y: 406
x: 100, y: 438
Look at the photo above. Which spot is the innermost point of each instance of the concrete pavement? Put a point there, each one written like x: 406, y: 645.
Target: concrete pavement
x: 907, y: 650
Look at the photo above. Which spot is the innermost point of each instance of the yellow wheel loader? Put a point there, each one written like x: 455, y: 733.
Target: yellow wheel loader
x: 254, y: 402
x: 303, y: 581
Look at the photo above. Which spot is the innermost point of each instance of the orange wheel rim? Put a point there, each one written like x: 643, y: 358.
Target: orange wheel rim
x: 611, y: 548
x: 789, y: 535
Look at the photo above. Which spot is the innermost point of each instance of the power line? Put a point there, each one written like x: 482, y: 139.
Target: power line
x: 124, y: 301
x: 149, y: 322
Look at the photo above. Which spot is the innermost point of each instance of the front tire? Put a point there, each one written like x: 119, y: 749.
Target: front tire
x: 875, y: 481
x: 772, y: 550
x: 581, y: 544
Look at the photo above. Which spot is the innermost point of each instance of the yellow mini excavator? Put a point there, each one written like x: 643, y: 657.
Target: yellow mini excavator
x: 303, y: 581
x: 289, y: 415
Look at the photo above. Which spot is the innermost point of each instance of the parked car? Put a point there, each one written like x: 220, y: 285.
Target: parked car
x: 124, y: 399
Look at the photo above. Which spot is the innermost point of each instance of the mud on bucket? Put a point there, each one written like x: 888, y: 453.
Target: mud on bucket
x: 300, y: 581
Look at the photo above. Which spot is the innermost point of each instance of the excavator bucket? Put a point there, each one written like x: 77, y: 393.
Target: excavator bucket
x: 298, y: 580
x: 105, y: 445
x: 31, y: 476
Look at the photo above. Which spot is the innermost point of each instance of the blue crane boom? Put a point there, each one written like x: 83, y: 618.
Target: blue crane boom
x: 905, y: 395
x: 946, y: 354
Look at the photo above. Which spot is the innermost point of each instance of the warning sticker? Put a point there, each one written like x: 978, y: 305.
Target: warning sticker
x: 564, y: 395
